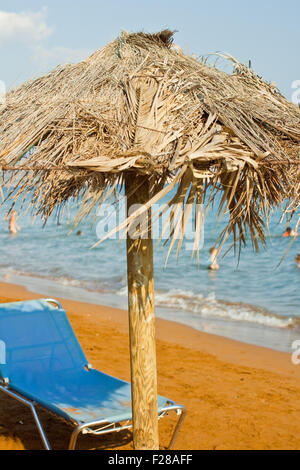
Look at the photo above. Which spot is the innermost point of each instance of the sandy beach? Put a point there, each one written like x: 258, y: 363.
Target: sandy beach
x: 237, y: 396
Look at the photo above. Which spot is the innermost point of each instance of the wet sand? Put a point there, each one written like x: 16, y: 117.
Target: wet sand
x: 237, y: 396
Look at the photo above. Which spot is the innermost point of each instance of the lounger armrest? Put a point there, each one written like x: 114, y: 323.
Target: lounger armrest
x: 4, y: 381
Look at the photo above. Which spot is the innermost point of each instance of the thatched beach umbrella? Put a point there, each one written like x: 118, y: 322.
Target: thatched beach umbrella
x: 141, y: 115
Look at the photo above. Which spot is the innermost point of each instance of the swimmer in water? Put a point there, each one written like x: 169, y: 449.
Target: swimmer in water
x: 12, y: 224
x: 213, y: 259
x: 290, y: 233
x: 297, y: 259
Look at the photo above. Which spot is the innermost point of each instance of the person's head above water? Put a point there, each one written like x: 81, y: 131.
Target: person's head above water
x: 289, y: 233
x: 213, y: 251
x: 297, y: 259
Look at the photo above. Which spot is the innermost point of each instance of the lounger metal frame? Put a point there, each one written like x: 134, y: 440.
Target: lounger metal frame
x: 95, y: 428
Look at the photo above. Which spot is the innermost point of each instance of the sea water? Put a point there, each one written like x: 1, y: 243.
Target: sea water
x: 253, y: 299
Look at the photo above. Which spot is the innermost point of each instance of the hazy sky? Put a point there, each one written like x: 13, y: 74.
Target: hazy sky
x: 37, y: 35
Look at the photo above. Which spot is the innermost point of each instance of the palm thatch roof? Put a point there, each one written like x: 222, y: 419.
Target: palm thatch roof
x: 141, y: 108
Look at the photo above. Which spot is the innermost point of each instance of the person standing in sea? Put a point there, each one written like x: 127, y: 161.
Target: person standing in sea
x: 12, y: 224
x: 213, y: 259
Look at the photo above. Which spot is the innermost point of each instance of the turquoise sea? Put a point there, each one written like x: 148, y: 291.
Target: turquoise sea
x: 251, y: 299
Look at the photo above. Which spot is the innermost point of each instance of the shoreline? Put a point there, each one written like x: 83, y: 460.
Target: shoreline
x: 249, y: 332
x: 238, y: 396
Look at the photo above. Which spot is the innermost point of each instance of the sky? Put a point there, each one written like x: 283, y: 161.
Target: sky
x: 37, y: 35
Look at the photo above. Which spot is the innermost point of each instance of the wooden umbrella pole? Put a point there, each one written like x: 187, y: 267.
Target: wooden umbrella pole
x: 142, y: 322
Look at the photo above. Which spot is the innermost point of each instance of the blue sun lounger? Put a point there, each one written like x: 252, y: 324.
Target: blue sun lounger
x: 42, y: 363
